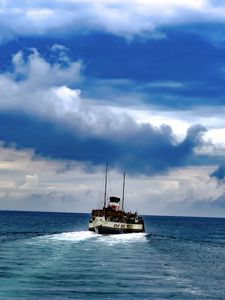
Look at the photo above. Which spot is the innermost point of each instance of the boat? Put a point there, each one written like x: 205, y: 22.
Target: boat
x: 112, y: 219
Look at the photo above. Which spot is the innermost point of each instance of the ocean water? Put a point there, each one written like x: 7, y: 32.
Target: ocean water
x: 53, y: 256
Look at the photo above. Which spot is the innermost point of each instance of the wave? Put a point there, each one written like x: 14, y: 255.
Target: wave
x: 79, y: 236
x: 122, y: 238
x: 75, y: 236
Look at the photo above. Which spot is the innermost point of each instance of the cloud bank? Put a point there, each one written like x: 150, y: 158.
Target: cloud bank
x: 29, y: 182
x: 40, y: 109
x: 124, y: 18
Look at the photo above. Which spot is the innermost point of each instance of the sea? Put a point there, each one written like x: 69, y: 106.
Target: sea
x: 53, y: 256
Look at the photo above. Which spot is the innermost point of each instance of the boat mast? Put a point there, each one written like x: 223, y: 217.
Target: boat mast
x: 106, y: 173
x: 124, y: 174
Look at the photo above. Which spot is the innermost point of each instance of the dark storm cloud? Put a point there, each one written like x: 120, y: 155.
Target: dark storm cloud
x: 144, y: 149
x: 219, y: 173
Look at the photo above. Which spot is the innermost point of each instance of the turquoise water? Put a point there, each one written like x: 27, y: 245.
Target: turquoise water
x: 53, y: 256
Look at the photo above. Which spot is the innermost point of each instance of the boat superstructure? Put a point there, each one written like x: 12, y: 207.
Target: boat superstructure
x: 112, y: 218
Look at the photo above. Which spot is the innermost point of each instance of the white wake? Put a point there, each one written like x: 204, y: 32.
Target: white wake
x: 75, y: 236
x: 122, y: 238
x: 79, y: 236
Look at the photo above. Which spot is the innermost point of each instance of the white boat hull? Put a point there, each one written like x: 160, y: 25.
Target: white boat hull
x: 102, y: 226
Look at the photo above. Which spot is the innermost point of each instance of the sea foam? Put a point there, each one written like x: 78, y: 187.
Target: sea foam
x: 78, y: 236
x: 75, y: 236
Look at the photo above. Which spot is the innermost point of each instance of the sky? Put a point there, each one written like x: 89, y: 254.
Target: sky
x: 138, y: 84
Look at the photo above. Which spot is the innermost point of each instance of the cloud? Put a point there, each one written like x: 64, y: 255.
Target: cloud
x: 123, y: 18
x: 165, y: 84
x: 36, y: 85
x: 143, y: 150
x: 219, y: 173
x: 39, y: 110
x: 29, y: 182
x: 37, y: 70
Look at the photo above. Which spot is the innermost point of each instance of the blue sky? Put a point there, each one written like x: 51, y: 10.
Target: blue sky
x: 139, y: 84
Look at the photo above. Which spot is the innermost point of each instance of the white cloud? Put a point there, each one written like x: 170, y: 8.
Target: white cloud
x: 43, y: 89
x: 39, y: 14
x: 120, y: 17
x: 165, y: 84
x: 39, y: 72
x: 40, y: 88
x: 31, y: 181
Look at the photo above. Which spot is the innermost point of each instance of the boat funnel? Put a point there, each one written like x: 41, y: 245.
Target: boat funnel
x: 114, y: 203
